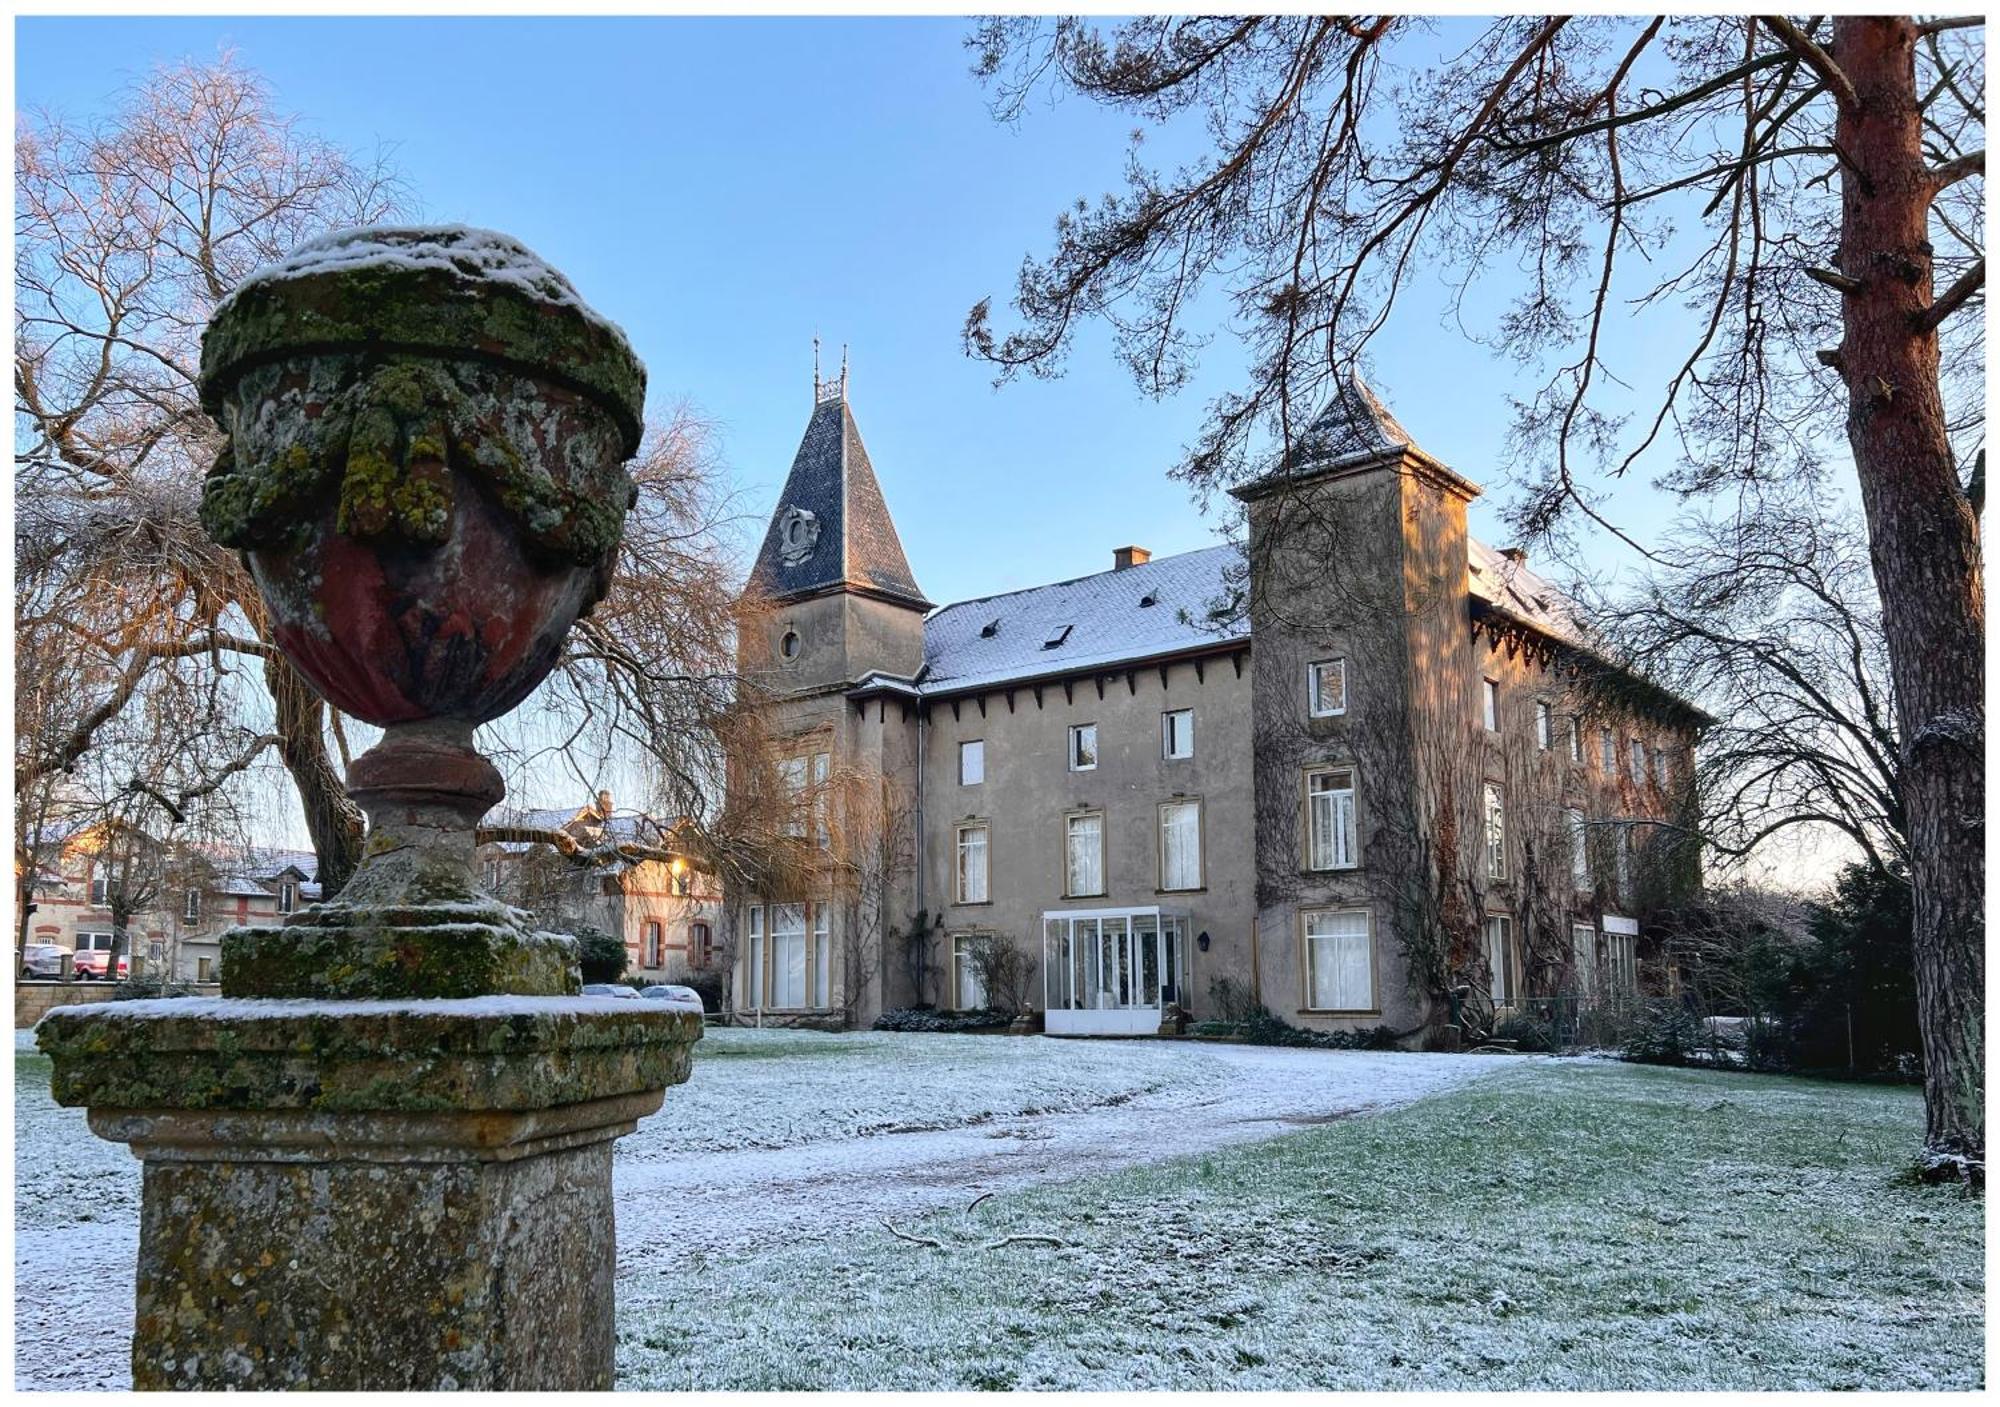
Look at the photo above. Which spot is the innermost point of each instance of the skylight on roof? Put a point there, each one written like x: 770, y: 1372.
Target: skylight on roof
x: 1056, y: 639
x: 1149, y: 599
x: 990, y: 629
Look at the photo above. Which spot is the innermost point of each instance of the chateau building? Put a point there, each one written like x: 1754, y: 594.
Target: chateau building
x: 1362, y: 769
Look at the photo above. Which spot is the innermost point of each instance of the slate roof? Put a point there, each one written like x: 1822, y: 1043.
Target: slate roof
x: 847, y: 537
x: 1099, y: 621
x: 1354, y: 425
x: 1094, y: 620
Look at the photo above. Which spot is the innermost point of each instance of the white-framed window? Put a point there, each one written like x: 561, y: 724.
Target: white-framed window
x: 1579, y: 848
x: 100, y: 887
x: 1326, y: 688
x: 972, y: 888
x: 655, y: 944
x: 972, y: 762
x: 822, y: 768
x: 1330, y: 840
x: 1496, y: 831
x: 1607, y: 751
x: 1576, y: 740
x: 753, y: 949
x: 1083, y: 867
x: 490, y: 869
x: 1082, y: 747
x: 792, y: 774
x: 822, y: 956
x: 968, y: 993
x: 191, y: 906
x: 1638, y: 748
x: 788, y: 955
x: 1583, y: 956
x: 1500, y: 957
x: 1180, y: 845
x: 288, y: 896
x: 1660, y: 767
x: 1621, y: 962
x: 1489, y: 704
x: 1545, y: 723
x: 1177, y: 733
x: 1339, y: 960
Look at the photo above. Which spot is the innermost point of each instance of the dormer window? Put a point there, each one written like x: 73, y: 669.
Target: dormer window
x: 288, y: 897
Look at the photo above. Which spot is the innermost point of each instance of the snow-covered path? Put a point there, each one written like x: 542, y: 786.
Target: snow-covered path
x: 778, y: 1138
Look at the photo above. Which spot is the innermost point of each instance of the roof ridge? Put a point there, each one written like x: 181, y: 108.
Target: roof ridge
x: 1087, y: 576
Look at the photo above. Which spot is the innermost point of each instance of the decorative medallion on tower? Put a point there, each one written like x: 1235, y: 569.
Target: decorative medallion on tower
x: 798, y: 533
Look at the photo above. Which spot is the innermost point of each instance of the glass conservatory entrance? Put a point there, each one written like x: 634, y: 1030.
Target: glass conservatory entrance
x: 1108, y: 972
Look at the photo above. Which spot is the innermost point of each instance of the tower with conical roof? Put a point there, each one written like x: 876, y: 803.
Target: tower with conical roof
x: 833, y: 589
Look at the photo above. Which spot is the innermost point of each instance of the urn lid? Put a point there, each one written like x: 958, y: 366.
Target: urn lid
x: 447, y: 290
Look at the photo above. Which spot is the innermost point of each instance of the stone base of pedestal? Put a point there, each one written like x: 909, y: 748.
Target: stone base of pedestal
x: 372, y: 1195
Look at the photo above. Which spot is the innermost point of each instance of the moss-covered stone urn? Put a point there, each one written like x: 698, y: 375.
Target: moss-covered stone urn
x: 382, y: 1159
x: 424, y: 471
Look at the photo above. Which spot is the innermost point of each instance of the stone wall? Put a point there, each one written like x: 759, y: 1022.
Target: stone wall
x: 34, y: 1000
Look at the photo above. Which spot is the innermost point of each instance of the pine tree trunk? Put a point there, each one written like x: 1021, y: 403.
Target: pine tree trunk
x: 1924, y: 540
x: 332, y: 819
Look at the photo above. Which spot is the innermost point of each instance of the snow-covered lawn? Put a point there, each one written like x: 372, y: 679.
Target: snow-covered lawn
x: 1569, y: 1224
x: 778, y: 1140
x: 1224, y: 1223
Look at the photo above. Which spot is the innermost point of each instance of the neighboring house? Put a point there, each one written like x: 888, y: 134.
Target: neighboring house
x: 178, y: 927
x: 1344, y: 770
x: 667, y: 911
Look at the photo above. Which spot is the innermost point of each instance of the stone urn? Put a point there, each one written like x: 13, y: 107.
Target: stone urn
x: 424, y: 472
x: 382, y: 1159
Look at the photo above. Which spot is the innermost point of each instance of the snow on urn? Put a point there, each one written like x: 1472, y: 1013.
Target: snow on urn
x: 382, y: 1159
x: 427, y: 430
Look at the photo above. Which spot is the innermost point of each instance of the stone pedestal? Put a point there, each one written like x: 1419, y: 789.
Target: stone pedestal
x: 372, y: 1194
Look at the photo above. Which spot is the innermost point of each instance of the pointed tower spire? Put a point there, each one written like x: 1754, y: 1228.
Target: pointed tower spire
x: 832, y: 530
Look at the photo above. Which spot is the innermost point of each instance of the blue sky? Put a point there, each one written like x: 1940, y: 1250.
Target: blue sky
x: 725, y: 188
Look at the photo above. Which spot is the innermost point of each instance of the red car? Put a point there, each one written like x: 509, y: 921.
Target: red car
x: 93, y: 956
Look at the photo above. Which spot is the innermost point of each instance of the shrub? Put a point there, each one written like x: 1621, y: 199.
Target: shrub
x: 709, y: 983
x: 601, y: 956
x: 1233, y: 1002
x: 1527, y: 1033
x: 1665, y: 1033
x: 1265, y: 1027
x: 926, y: 1018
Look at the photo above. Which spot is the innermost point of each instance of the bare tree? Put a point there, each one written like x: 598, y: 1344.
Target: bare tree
x: 1707, y: 163
x: 127, y: 233
x: 1771, y: 619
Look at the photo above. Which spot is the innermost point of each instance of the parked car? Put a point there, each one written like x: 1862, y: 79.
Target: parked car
x: 609, y: 989
x: 42, y: 960
x: 93, y: 963
x: 682, y: 998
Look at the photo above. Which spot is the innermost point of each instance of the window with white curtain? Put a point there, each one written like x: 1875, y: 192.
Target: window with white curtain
x: 1579, y: 850
x: 822, y: 946
x: 968, y: 992
x: 1500, y: 957
x: 788, y: 955
x: 1340, y: 961
x: 753, y: 949
x: 1496, y: 832
x: 1084, y: 872
x: 1330, y: 818
x: 1180, y: 845
x: 972, y: 863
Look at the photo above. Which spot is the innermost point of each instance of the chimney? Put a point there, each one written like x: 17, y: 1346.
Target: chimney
x: 1517, y: 555
x: 1123, y: 557
x: 604, y: 804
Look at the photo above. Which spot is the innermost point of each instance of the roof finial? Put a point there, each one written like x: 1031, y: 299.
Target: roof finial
x: 835, y: 390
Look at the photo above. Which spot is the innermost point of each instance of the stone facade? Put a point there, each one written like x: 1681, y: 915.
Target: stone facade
x: 1343, y: 837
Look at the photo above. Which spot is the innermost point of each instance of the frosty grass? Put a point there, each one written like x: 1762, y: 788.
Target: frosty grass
x: 1553, y: 1224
